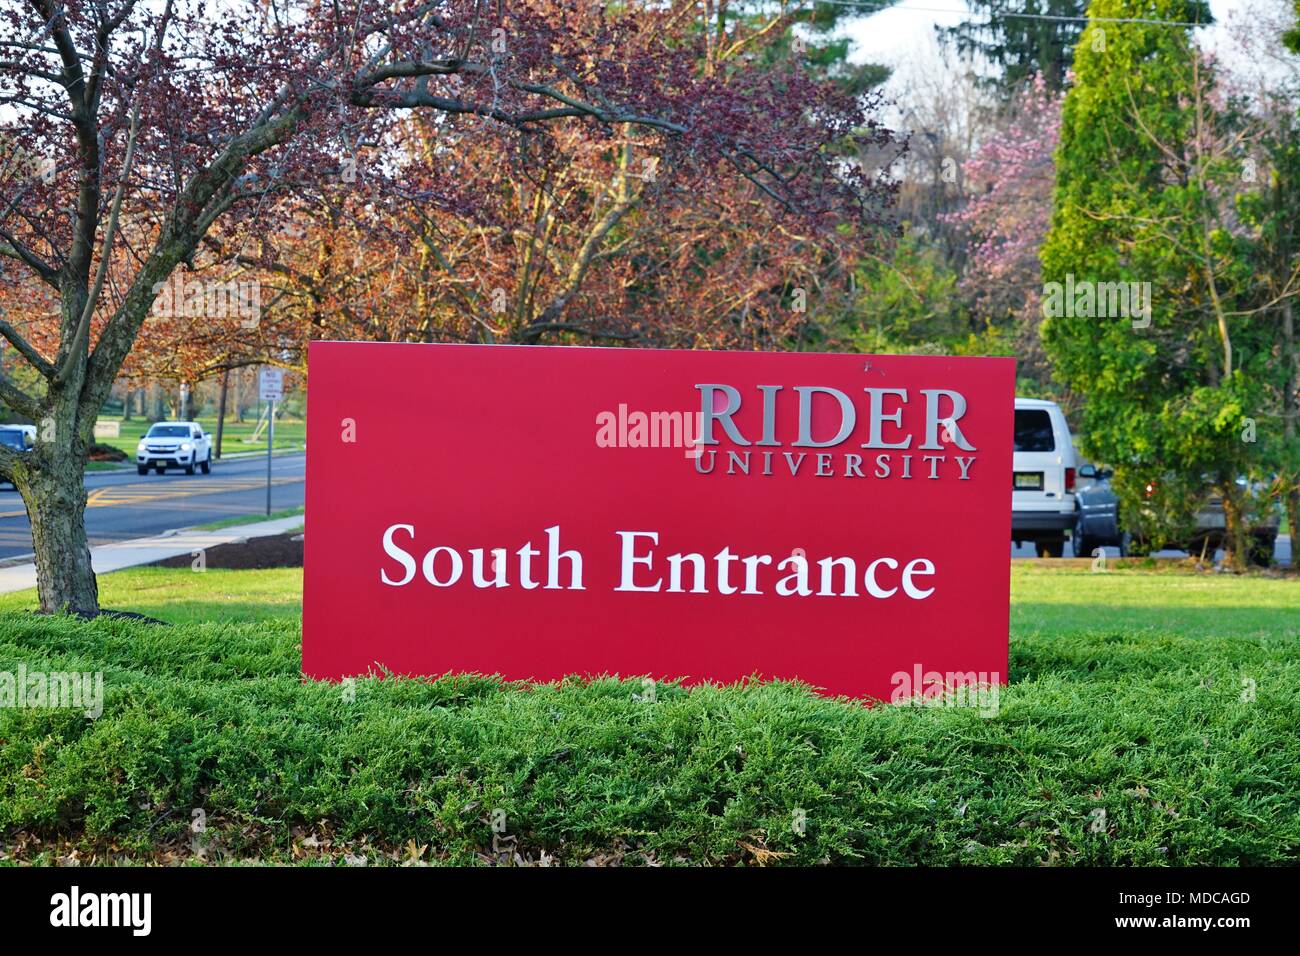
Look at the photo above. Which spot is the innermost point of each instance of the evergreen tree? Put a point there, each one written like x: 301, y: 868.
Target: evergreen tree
x: 1147, y: 170
x: 1020, y: 46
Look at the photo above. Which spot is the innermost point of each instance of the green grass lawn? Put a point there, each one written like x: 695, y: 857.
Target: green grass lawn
x: 237, y: 520
x: 288, y: 434
x: 1130, y: 693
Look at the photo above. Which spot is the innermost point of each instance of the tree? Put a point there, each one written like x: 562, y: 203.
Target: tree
x: 1040, y: 44
x: 575, y: 235
x: 1150, y: 161
x: 154, y: 126
x: 947, y: 115
x: 1009, y: 182
x: 589, y: 240
x: 905, y: 300
x: 1272, y: 212
x: 812, y: 30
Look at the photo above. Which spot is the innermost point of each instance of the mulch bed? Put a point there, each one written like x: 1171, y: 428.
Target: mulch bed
x: 100, y: 452
x: 271, y: 551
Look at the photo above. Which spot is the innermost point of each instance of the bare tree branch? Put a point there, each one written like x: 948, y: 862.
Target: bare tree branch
x: 80, y: 338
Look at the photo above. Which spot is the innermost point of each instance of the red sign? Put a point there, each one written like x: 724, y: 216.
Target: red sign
x: 538, y: 512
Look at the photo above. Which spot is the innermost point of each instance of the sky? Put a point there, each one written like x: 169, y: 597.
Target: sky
x: 904, y: 34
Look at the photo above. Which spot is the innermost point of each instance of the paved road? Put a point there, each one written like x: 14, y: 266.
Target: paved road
x: 122, y: 505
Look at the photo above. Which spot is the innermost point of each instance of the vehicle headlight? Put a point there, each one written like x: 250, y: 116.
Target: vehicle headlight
x: 185, y: 446
x: 139, y: 446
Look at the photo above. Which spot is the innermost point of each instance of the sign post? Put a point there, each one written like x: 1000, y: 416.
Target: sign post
x: 271, y: 389
x: 840, y: 520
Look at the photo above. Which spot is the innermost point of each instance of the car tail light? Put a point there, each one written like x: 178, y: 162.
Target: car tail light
x: 1069, y: 480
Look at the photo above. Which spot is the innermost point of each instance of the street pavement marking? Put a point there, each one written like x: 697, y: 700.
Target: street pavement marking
x: 139, y: 492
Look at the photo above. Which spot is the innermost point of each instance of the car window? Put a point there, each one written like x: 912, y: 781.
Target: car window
x: 1034, y: 430
x: 169, y: 431
x: 13, y: 438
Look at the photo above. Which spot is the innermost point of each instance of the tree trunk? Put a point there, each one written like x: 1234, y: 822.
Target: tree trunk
x: 1292, y: 501
x: 221, y: 409
x: 1236, y: 537
x: 55, y: 495
x: 1290, y: 396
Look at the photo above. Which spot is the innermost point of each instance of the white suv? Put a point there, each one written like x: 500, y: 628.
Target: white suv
x: 1042, y: 483
x: 174, y: 445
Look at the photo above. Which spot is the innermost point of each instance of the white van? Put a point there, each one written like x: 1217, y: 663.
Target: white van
x: 1042, y: 483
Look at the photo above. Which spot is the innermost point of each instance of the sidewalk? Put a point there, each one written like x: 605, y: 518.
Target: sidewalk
x: 126, y: 554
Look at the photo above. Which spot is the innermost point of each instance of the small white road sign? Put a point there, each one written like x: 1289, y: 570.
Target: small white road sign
x: 271, y: 383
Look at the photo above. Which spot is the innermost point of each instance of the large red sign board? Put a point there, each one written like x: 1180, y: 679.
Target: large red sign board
x: 538, y: 512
